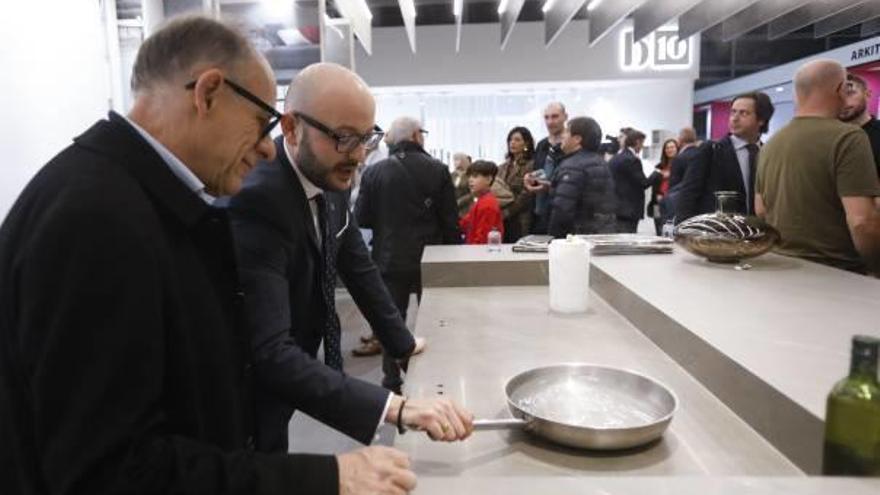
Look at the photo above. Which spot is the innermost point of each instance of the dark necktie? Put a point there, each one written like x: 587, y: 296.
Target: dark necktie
x: 332, y: 329
x: 753, y: 168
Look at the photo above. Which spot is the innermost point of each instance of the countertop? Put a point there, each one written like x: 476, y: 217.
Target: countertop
x: 751, y: 355
x: 481, y: 336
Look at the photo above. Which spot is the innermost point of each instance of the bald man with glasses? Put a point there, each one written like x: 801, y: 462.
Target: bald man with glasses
x: 295, y: 234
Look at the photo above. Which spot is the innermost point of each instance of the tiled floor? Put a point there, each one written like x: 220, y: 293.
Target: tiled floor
x: 307, y: 434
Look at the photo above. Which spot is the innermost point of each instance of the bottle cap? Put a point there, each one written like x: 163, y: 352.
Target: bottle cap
x: 866, y: 346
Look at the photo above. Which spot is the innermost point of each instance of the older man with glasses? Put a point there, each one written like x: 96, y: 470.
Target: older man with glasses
x: 124, y: 366
x: 295, y: 234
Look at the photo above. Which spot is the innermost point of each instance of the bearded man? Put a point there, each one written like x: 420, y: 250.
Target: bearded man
x: 294, y: 233
x: 855, y: 111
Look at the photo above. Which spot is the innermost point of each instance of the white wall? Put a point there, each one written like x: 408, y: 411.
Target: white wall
x: 55, y: 83
x: 476, y: 119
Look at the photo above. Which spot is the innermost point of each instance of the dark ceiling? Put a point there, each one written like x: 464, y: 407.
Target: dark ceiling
x: 719, y: 62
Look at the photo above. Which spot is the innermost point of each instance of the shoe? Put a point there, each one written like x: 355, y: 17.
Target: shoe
x: 421, y: 343
x: 368, y: 348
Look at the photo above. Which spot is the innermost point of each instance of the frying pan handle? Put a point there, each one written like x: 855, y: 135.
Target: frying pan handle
x: 498, y: 424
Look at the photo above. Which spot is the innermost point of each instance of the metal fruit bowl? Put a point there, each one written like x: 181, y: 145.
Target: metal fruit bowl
x: 726, y: 237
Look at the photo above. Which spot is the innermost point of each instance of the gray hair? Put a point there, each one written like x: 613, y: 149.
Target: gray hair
x: 402, y: 129
x: 172, y: 51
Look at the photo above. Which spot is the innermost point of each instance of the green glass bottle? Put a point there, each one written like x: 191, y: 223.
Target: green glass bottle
x: 852, y: 416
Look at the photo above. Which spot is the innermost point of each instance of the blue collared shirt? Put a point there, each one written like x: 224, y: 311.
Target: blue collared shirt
x: 177, y: 167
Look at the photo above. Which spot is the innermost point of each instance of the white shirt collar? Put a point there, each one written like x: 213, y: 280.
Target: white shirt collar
x: 178, y: 168
x: 311, y: 190
x: 739, y: 143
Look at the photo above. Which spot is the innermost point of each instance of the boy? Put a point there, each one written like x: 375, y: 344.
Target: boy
x: 485, y: 214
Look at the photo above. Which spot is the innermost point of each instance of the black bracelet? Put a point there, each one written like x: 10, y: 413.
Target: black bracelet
x: 400, y: 428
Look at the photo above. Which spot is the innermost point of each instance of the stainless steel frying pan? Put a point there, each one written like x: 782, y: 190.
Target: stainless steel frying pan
x: 587, y: 406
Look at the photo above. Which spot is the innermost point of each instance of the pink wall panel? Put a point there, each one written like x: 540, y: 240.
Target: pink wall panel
x: 720, y: 117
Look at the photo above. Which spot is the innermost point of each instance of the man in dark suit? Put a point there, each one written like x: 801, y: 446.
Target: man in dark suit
x: 123, y: 368
x: 729, y: 164
x: 687, y: 142
x: 294, y: 234
x: 630, y: 181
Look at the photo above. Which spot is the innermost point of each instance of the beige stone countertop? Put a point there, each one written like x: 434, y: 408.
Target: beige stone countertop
x: 787, y: 320
x: 530, y: 485
x: 769, y: 342
x: 481, y: 336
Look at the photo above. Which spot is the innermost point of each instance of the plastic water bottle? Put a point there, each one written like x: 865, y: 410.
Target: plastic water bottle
x: 668, y: 229
x: 494, y: 241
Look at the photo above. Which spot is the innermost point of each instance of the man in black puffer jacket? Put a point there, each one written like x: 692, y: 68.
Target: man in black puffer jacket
x: 582, y: 190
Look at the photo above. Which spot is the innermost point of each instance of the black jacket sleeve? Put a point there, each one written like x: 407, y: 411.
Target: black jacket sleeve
x: 368, y: 290
x: 346, y: 404
x: 364, y: 211
x: 567, y: 192
x: 97, y: 365
x: 693, y: 185
x: 447, y: 210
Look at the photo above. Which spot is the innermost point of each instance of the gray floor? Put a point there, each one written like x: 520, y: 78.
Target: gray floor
x: 307, y: 434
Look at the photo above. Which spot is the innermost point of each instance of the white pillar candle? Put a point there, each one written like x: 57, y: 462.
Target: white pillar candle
x: 569, y: 275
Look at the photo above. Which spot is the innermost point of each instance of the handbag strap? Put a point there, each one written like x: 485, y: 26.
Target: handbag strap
x: 428, y: 200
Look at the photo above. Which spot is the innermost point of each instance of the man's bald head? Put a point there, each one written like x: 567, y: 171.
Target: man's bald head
x: 324, y: 84
x: 817, y: 83
x: 329, y: 121
x: 554, y: 118
x: 555, y: 106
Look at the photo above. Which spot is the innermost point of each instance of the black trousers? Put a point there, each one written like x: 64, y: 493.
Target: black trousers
x: 658, y: 226
x: 400, y: 285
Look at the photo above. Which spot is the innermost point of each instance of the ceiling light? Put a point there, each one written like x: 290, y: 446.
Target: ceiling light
x: 780, y: 89
x: 502, y: 7
x: 457, y: 7
x: 407, y: 8
x: 593, y: 4
x: 547, y: 6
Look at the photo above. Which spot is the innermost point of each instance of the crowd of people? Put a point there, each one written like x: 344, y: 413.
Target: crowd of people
x: 822, y: 189
x: 167, y: 281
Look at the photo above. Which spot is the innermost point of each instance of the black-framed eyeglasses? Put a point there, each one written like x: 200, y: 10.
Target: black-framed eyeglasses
x: 346, y: 142
x: 247, y: 95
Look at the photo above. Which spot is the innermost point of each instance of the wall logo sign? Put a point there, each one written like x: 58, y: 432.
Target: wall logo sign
x: 660, y: 50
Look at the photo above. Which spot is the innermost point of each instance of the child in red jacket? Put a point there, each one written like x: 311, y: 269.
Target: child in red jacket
x: 485, y: 212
